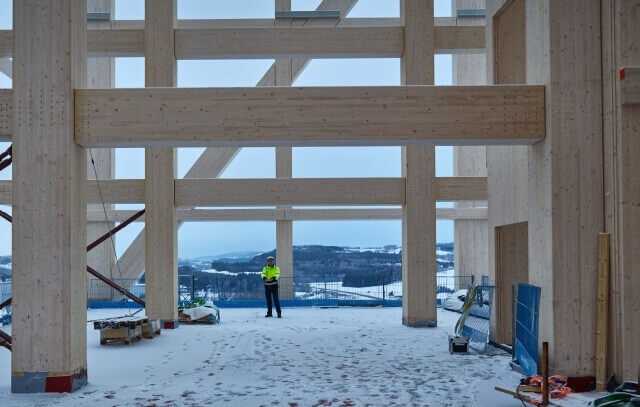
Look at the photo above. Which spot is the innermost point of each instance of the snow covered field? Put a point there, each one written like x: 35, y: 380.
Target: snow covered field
x: 339, y: 357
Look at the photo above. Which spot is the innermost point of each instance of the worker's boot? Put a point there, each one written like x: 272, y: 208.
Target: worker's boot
x: 279, y: 315
x: 268, y: 316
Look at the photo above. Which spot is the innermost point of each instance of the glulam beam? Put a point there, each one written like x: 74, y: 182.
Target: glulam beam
x: 289, y: 214
x: 243, y: 117
x: 283, y: 191
x: 264, y: 38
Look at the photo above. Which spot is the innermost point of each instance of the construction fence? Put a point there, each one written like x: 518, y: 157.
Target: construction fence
x: 249, y: 292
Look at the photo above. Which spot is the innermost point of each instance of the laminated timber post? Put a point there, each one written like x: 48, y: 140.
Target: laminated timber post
x: 284, y: 157
x: 620, y: 33
x: 471, y: 235
x: 161, y: 233
x: 49, y: 232
x: 566, y: 208
x: 101, y: 74
x: 418, y: 167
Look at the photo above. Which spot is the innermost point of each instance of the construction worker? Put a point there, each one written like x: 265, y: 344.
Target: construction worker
x: 270, y: 276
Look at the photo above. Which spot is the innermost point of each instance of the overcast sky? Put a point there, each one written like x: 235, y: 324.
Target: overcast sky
x: 198, y: 239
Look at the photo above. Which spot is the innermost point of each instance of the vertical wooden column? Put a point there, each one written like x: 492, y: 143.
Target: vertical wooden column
x: 418, y: 166
x: 161, y: 248
x: 49, y: 228
x: 101, y: 74
x: 628, y: 274
x: 620, y: 34
x: 471, y: 235
x: 566, y: 208
x: 284, y: 228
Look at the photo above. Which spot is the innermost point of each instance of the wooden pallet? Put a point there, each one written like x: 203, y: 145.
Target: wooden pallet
x: 123, y: 334
x: 151, y: 328
x: 126, y: 330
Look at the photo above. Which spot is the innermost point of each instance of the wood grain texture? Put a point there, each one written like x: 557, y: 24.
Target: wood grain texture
x: 627, y: 32
x: 101, y: 74
x: 507, y: 166
x: 6, y: 114
x: 566, y: 177
x: 277, y: 41
x: 161, y: 229
x: 49, y: 169
x: 290, y: 214
x: 284, y: 191
x: 630, y: 86
x: 294, y: 191
x: 310, y: 116
x: 418, y: 168
x: 256, y: 38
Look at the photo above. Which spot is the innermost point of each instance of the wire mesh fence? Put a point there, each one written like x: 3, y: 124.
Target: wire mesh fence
x: 5, y: 290
x: 98, y: 290
x: 227, y: 291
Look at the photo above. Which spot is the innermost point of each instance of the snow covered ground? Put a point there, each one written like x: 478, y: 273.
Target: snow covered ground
x: 311, y: 357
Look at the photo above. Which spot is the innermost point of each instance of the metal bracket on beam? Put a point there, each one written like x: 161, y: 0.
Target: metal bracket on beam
x: 471, y: 13
x: 309, y: 15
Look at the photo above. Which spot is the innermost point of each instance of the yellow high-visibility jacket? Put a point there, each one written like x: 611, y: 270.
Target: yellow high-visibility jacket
x: 271, y: 272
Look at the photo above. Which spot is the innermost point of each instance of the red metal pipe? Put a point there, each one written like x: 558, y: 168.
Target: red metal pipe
x: 116, y: 286
x: 5, y: 303
x: 5, y: 163
x: 115, y: 230
x: 6, y: 216
x: 92, y: 271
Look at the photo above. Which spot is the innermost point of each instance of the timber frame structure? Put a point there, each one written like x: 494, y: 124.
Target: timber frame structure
x: 547, y: 135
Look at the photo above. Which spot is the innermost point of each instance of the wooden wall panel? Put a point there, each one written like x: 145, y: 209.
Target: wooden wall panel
x: 566, y: 213
x: 512, y: 268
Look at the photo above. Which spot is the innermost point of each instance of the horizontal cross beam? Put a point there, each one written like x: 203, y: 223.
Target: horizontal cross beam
x: 292, y: 191
x: 262, y: 38
x: 291, y: 214
x: 312, y: 116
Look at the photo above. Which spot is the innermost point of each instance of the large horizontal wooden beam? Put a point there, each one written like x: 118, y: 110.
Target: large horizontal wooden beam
x: 294, y: 191
x: 110, y: 192
x: 273, y: 192
x: 241, y: 117
x: 292, y: 214
x: 263, y: 38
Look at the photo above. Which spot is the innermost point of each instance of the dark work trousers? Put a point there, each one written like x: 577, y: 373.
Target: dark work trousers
x: 271, y: 292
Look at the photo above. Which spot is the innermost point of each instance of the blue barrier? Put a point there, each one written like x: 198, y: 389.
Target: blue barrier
x: 98, y: 304
x: 525, y: 346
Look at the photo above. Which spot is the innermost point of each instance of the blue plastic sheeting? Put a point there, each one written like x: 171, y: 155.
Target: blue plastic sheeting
x: 262, y: 304
x: 527, y: 330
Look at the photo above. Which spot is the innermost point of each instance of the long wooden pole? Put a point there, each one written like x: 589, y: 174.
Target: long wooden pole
x: 545, y: 373
x: 602, y: 317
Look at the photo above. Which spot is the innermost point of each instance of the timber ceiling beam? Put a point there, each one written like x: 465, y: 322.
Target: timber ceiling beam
x: 313, y: 116
x: 285, y: 191
x: 291, y: 214
x: 262, y: 38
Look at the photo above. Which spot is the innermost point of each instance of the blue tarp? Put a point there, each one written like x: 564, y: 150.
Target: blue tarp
x: 525, y: 346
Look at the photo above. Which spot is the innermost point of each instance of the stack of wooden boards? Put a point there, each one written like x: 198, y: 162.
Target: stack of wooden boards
x: 126, y: 329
